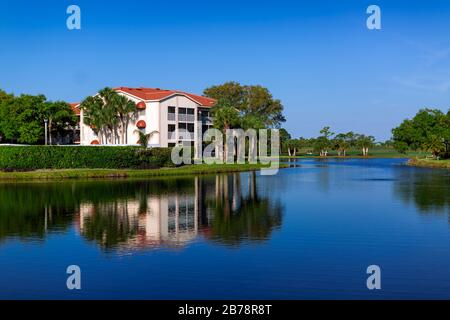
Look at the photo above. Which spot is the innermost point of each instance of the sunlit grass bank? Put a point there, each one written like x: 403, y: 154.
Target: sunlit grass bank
x: 430, y: 163
x: 127, y: 173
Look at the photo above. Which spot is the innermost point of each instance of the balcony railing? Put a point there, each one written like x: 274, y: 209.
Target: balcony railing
x: 186, y: 136
x: 172, y: 135
x: 186, y: 117
x: 171, y: 116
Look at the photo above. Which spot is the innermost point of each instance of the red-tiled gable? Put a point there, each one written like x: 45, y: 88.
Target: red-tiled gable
x: 160, y: 94
x: 75, y: 108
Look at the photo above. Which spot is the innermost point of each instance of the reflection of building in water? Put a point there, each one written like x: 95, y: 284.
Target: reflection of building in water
x: 224, y: 207
x: 169, y: 220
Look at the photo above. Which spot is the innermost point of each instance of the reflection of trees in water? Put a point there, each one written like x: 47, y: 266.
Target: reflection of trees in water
x: 429, y: 190
x: 239, y: 215
x: 29, y: 211
x: 110, y: 224
x: 142, y: 214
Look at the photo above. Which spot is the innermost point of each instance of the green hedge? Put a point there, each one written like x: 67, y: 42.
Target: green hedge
x: 73, y: 157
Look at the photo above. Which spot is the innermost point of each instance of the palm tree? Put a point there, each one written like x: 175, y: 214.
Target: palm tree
x: 108, y: 113
x: 225, y: 117
x: 109, y: 97
x: 144, y: 138
x: 365, y: 142
x: 343, y: 142
x: 126, y: 111
x: 93, y: 115
x: 58, y: 114
x: 323, y: 142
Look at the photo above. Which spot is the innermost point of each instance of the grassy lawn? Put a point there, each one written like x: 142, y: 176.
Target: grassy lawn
x: 126, y: 173
x: 430, y: 163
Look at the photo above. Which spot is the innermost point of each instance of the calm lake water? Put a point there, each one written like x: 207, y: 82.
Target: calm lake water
x: 309, y: 232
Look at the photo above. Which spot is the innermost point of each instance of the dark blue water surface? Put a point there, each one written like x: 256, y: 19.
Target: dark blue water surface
x: 309, y: 232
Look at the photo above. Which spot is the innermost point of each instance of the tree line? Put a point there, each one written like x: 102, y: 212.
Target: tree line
x: 22, y: 118
x: 428, y: 130
x: 327, y: 141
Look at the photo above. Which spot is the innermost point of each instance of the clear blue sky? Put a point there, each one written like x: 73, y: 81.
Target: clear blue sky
x: 318, y: 57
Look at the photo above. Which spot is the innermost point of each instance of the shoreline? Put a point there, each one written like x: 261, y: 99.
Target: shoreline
x: 67, y: 174
x: 429, y: 163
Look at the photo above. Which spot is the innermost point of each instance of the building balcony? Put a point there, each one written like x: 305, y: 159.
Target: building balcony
x: 171, y: 116
x: 172, y: 135
x: 186, y: 117
x: 186, y: 136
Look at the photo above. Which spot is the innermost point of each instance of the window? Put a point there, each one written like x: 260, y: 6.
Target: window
x: 190, y: 127
x: 171, y: 128
x: 186, y: 114
x: 182, y: 126
x: 171, y: 109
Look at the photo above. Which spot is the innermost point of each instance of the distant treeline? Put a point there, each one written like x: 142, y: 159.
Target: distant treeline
x: 428, y: 131
x: 326, y: 142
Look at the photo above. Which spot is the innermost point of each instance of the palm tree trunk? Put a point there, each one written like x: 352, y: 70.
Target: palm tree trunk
x: 122, y: 133
x: 126, y: 131
x: 225, y: 146
x: 50, y: 131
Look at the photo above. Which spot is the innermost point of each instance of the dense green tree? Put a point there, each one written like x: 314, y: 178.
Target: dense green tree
x: 293, y: 145
x: 22, y: 119
x: 323, y: 143
x: 230, y: 93
x: 289, y: 145
x: 59, y: 115
x: 341, y: 143
x: 252, y: 102
x: 364, y: 143
x: 429, y: 130
x: 4, y: 101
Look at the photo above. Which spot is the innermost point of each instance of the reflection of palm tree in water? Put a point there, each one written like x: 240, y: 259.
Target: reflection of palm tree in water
x: 111, y: 223
x: 239, y: 217
x: 142, y: 214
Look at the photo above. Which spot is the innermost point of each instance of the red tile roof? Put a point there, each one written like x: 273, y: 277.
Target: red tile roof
x: 160, y: 94
x: 75, y: 108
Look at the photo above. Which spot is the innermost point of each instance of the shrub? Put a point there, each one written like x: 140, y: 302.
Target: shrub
x: 72, y: 157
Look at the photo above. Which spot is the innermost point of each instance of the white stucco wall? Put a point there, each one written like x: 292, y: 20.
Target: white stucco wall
x: 156, y: 117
